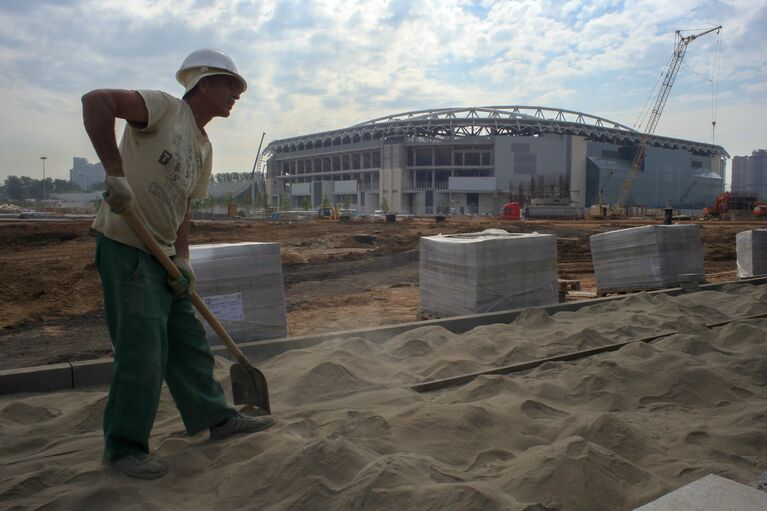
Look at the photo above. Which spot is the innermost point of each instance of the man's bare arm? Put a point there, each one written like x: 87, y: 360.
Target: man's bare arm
x: 100, y: 109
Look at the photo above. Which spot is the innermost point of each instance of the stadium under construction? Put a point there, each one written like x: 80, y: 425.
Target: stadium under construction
x: 473, y: 160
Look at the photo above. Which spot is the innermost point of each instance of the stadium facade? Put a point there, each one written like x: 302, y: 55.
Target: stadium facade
x: 473, y: 160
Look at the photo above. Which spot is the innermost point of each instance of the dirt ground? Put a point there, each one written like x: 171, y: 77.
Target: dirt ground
x: 51, y: 308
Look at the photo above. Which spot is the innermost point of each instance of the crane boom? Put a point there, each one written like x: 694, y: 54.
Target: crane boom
x: 660, y: 102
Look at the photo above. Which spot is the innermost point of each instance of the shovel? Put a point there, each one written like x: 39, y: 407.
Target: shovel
x: 248, y: 383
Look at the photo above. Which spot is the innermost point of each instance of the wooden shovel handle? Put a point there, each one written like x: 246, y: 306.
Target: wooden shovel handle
x: 175, y: 273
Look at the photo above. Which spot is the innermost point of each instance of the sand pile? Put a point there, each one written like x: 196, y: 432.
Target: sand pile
x: 606, y: 433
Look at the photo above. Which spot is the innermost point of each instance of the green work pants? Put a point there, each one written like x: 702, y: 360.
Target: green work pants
x: 156, y: 336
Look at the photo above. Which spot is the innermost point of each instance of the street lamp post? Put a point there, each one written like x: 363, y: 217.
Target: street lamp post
x: 43, y: 158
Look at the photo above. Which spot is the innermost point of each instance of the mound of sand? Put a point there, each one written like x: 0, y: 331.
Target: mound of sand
x: 609, y: 432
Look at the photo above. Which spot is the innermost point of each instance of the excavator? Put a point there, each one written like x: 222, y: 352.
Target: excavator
x: 732, y: 203
x: 719, y: 208
x: 669, y: 76
x: 328, y: 213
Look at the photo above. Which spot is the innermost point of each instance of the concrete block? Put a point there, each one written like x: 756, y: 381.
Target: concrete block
x: 711, y: 493
x: 241, y: 283
x: 87, y: 373
x: 486, y: 271
x: 751, y: 248
x: 648, y: 257
x: 36, y: 379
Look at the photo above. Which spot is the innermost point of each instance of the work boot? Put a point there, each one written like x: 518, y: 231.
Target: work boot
x: 141, y: 466
x: 240, y: 423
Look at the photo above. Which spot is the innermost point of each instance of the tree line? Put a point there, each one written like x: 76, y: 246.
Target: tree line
x: 19, y: 188
x: 24, y: 187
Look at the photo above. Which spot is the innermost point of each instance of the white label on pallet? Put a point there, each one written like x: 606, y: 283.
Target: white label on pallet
x: 225, y: 307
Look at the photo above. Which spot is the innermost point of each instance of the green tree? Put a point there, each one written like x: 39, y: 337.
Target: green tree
x: 197, y: 206
x: 14, y: 188
x: 325, y: 201
x: 346, y: 203
x: 285, y: 203
x: 306, y: 204
x: 65, y: 186
x: 384, y: 206
x: 415, y: 204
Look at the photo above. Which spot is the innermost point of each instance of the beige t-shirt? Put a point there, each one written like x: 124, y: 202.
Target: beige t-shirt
x: 166, y: 163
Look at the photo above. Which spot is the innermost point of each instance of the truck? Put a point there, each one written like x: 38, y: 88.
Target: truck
x: 511, y: 211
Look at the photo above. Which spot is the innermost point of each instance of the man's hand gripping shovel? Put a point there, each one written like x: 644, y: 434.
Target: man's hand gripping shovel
x: 248, y: 383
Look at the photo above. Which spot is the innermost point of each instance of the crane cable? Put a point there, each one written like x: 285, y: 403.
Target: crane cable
x: 714, y: 81
x: 715, y: 88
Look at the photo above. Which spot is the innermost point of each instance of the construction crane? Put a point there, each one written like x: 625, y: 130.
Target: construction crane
x: 253, y: 178
x: 669, y: 76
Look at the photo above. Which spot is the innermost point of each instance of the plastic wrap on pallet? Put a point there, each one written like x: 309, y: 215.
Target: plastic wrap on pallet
x: 486, y: 271
x: 751, y: 247
x: 647, y: 257
x: 241, y: 283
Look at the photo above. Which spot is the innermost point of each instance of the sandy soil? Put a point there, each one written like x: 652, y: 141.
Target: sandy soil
x: 51, y: 308
x: 610, y: 432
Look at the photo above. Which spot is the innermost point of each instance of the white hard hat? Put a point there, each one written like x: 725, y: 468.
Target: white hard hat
x: 206, y: 62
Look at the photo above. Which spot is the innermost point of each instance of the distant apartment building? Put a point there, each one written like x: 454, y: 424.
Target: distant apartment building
x: 749, y: 174
x: 85, y: 174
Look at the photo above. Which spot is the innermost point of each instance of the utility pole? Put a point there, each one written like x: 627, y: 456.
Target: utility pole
x: 43, y: 158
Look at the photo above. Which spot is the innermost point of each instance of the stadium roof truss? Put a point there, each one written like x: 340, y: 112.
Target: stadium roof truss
x: 457, y: 123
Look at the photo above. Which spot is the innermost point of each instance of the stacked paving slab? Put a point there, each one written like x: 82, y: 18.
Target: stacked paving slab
x: 751, y: 247
x: 486, y: 271
x: 241, y: 283
x: 648, y: 257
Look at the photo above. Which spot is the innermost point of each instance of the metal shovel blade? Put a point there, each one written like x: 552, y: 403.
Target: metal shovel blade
x: 249, y: 387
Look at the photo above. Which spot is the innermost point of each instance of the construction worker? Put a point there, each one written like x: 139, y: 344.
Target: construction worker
x: 163, y: 162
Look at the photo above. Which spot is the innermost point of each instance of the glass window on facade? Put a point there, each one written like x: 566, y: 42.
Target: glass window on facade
x: 366, y: 160
x: 520, y: 148
x: 525, y: 163
x: 411, y: 156
x: 486, y: 158
x: 442, y: 156
x: 356, y: 161
x: 345, y: 162
x: 424, y: 157
x: 376, y: 159
x: 317, y: 165
x: 336, y: 163
x: 441, y: 180
x: 471, y: 158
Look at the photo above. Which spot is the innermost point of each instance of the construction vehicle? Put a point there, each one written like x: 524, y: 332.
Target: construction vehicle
x: 328, y: 213
x: 729, y: 203
x: 669, y: 76
x: 719, y: 207
x: 511, y: 211
x: 541, y: 208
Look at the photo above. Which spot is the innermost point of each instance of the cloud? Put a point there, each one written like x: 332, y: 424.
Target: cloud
x: 324, y: 64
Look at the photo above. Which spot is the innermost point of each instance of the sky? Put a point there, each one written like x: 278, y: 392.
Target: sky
x: 320, y: 65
